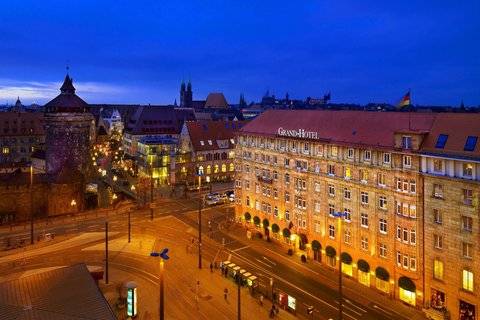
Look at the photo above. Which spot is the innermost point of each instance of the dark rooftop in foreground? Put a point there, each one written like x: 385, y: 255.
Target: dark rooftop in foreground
x: 67, y: 293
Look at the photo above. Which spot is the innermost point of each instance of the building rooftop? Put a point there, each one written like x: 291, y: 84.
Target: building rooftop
x: 148, y: 120
x: 216, y: 100
x: 67, y: 293
x: 377, y: 129
x: 67, y: 100
x: 213, y: 135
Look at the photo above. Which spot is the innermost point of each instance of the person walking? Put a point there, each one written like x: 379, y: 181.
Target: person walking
x: 225, y: 294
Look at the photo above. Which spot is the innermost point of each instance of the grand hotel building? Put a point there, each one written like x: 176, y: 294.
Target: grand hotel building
x: 407, y: 185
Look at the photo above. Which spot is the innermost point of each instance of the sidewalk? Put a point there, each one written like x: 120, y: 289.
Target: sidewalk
x: 320, y: 272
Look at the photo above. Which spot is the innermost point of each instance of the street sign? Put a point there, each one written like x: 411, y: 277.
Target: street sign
x: 162, y: 254
x: 339, y: 214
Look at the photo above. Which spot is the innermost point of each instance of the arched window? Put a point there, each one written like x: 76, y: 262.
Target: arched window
x: 209, y: 169
x: 200, y: 170
x: 232, y: 167
x: 215, y: 169
x: 224, y: 167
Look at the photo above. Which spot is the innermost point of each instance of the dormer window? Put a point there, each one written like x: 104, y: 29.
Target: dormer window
x: 407, y: 142
x: 470, y: 143
x: 210, y: 142
x: 441, y: 141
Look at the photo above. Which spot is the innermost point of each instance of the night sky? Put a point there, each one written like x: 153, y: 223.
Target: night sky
x: 139, y: 51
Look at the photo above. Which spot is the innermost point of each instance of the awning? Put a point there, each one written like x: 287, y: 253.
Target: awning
x: 346, y: 258
x: 407, y: 284
x: 363, y: 265
x: 382, y: 274
x: 330, y: 251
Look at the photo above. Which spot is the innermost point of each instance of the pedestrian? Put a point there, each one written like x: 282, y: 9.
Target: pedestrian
x: 211, y: 267
x: 225, y: 294
x: 261, y: 299
x: 272, y: 311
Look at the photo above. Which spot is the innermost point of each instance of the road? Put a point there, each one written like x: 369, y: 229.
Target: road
x: 267, y: 260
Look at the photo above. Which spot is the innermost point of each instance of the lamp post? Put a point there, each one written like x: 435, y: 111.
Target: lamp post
x: 340, y: 216
x: 151, y: 191
x: 239, y: 313
x: 163, y: 256
x: 106, y: 252
x: 199, y: 220
x: 31, y: 204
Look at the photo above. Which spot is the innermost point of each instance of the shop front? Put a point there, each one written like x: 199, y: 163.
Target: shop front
x: 347, y: 267
x: 407, y: 290
x: 363, y: 272
x: 317, y: 251
x: 381, y: 280
x: 331, y: 253
x: 467, y: 311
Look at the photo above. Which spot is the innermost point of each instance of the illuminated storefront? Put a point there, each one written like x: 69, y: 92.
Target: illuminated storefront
x: 347, y: 267
x: 381, y: 280
x: 407, y: 290
x: 363, y: 272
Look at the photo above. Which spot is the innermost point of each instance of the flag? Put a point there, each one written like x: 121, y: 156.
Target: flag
x: 405, y: 100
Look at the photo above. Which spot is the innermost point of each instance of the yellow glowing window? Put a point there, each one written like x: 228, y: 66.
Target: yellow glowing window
x: 438, y: 269
x: 232, y: 167
x: 209, y: 169
x: 407, y: 296
x: 382, y: 285
x: 364, y: 278
x: 347, y: 269
x: 348, y: 173
x: 224, y: 168
x: 215, y: 168
x: 467, y: 280
x: 5, y: 150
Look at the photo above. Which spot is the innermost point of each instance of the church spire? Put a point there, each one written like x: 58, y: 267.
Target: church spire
x: 67, y: 86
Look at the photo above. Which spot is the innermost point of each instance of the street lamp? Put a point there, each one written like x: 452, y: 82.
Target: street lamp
x: 340, y: 216
x: 151, y: 190
x: 115, y: 178
x: 199, y: 219
x: 73, y: 203
x: 163, y: 257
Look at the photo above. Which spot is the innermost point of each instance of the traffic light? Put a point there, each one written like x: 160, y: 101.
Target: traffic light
x: 310, y: 310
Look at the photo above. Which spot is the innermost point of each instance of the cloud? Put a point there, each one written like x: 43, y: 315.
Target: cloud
x: 41, y: 92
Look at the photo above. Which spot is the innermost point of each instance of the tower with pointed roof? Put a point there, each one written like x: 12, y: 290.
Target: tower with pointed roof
x: 186, y: 95
x: 68, y: 127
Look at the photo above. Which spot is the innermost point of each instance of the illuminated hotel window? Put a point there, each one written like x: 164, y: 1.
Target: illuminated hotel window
x: 224, y: 167
x: 215, y: 169
x: 438, y: 269
x: 467, y: 280
x: 5, y: 150
x: 364, y: 278
x: 209, y: 169
x: 407, y: 296
x: 348, y: 173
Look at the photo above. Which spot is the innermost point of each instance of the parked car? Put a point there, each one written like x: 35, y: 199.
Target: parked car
x: 223, y: 198
x: 211, y: 201
x: 231, y: 195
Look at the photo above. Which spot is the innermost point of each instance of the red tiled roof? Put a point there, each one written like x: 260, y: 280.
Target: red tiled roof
x: 458, y: 126
x: 21, y: 124
x: 213, y: 131
x: 344, y: 127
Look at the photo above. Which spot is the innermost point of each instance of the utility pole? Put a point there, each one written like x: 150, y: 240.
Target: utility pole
x: 129, y: 225
x: 151, y: 191
x: 199, y: 222
x: 31, y: 204
x: 106, y: 252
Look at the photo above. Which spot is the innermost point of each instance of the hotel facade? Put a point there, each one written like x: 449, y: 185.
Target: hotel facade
x: 382, y: 174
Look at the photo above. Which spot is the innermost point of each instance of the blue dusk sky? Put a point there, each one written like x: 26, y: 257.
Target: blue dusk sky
x: 139, y: 51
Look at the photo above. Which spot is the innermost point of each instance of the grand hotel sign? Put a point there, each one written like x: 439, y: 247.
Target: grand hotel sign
x: 297, y: 133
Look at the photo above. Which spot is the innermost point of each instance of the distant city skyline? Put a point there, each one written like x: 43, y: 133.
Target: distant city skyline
x: 126, y: 53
